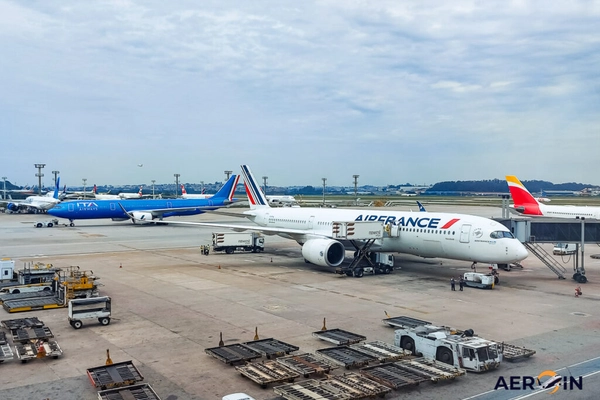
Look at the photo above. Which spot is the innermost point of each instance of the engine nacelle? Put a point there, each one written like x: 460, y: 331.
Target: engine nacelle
x: 141, y: 217
x: 324, y: 252
x: 12, y: 207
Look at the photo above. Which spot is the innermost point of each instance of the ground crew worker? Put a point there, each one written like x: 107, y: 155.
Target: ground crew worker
x: 452, y: 284
x: 578, y: 291
x: 461, y: 283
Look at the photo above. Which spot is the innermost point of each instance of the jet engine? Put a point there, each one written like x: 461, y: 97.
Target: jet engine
x: 324, y: 252
x: 12, y: 207
x: 141, y: 217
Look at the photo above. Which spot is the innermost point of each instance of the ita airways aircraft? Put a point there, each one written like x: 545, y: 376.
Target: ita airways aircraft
x: 144, y: 211
x: 526, y: 204
x: 37, y: 203
x: 430, y: 234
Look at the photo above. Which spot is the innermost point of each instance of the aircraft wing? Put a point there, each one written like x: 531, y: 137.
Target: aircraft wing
x: 21, y: 204
x: 295, y: 234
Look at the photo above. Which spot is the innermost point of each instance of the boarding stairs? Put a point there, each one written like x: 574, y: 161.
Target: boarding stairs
x: 547, y: 259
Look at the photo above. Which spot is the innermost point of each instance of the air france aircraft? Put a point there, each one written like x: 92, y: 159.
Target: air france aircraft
x: 186, y: 195
x: 40, y: 203
x: 526, y: 204
x: 431, y: 234
x: 144, y: 211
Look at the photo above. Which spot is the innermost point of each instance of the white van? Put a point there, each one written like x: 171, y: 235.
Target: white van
x: 563, y: 249
x: 238, y: 396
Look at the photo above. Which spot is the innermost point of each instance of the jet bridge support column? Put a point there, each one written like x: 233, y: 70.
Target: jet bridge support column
x: 579, y: 274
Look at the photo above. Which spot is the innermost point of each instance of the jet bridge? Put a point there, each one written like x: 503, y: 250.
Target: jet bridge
x: 534, y: 231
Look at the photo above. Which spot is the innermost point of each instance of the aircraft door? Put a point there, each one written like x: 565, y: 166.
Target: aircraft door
x: 311, y: 220
x: 465, y: 230
x: 71, y: 207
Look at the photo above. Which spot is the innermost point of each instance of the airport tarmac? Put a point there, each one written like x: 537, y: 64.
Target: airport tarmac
x: 170, y: 303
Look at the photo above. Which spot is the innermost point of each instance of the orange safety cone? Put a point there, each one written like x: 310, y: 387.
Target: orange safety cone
x: 41, y: 350
x: 221, y: 343
x: 256, y: 333
x: 219, y: 266
x: 324, y: 328
x: 121, y: 265
x: 109, y: 361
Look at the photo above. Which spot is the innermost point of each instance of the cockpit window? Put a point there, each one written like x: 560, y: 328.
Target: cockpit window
x: 501, y: 234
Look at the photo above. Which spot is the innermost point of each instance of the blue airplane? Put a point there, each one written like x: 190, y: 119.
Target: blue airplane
x: 144, y: 211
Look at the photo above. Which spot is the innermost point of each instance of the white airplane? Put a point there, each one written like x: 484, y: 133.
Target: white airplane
x: 186, y: 195
x: 120, y: 196
x: 526, y: 204
x: 281, y: 200
x: 445, y: 235
x: 39, y: 203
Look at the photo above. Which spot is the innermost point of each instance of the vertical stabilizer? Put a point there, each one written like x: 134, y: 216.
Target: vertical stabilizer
x: 56, y: 188
x: 227, y: 190
x: 255, y: 195
x: 183, y: 190
x: 523, y: 200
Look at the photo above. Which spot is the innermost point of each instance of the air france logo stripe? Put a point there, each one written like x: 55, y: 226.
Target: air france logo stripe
x: 232, y: 192
x: 450, y: 223
x: 252, y: 186
x: 250, y: 197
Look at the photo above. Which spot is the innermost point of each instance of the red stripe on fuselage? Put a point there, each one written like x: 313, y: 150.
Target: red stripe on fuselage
x: 450, y: 223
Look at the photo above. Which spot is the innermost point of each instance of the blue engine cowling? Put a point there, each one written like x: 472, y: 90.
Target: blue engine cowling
x: 12, y: 207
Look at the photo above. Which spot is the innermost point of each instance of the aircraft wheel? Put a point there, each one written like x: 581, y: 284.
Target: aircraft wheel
x: 50, y: 224
x: 359, y: 272
x: 77, y: 324
x: 445, y: 355
x: 71, y: 224
x: 576, y: 276
x: 38, y: 225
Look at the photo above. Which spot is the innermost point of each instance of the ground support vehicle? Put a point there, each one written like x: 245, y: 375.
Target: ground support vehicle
x: 404, y: 322
x: 32, y: 288
x: 229, y: 242
x: 382, y: 351
x: 480, y: 280
x: 433, y: 370
x: 141, y: 391
x: 362, y: 235
x: 233, y: 353
x: 339, y: 336
x: 460, y: 349
x: 271, y: 347
x: 37, y: 349
x: 114, y: 375
x: 307, y: 363
x: 347, y: 386
x: 311, y: 389
x: 49, y: 223
x: 6, y: 352
x: 265, y: 373
x: 4, y: 297
x: 29, y: 275
x: 93, y: 308
x: 346, y: 356
x: 33, y: 304
x: 510, y: 352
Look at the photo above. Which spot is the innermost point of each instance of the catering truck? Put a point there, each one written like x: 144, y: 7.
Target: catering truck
x: 229, y: 242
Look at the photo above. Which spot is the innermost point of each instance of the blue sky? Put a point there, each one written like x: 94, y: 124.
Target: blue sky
x: 395, y: 91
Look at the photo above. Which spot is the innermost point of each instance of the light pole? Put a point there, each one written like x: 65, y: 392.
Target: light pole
x: 153, y: 187
x: 55, y: 176
x: 84, y: 181
x: 324, y: 180
x: 39, y: 175
x: 355, y: 188
x: 4, y: 179
x: 202, y: 185
x: 176, y: 185
x: 228, y: 173
x: 265, y: 184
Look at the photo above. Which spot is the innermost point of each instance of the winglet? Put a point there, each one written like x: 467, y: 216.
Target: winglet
x: 255, y: 195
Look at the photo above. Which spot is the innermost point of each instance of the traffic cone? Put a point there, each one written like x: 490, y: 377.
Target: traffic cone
x: 324, y: 328
x: 219, y: 266
x: 121, y: 265
x: 108, y: 359
x: 271, y: 259
x: 221, y: 344
x: 256, y: 333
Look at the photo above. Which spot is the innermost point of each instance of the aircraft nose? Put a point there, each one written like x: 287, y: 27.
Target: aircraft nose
x: 521, y: 251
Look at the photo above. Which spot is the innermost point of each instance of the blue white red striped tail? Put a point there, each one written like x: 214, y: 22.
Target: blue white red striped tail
x: 255, y: 195
x: 228, y: 189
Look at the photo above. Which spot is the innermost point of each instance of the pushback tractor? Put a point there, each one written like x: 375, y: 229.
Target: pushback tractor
x: 91, y: 308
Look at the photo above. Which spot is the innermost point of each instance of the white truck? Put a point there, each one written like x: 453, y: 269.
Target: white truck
x: 564, y: 249
x: 480, y: 280
x: 91, y: 308
x: 229, y: 242
x: 460, y: 349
